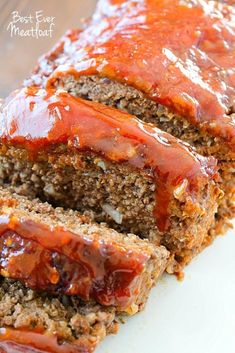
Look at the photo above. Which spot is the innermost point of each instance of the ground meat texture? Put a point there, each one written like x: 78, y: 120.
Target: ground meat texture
x: 112, y: 193
x: 63, y: 252
x: 33, y: 321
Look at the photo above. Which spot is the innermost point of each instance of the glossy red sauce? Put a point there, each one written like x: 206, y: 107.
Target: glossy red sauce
x: 37, y: 119
x: 53, y: 259
x: 22, y: 341
x: 179, y: 53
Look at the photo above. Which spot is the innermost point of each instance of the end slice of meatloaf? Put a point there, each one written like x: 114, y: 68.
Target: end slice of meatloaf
x: 63, y: 252
x: 135, y: 62
x: 99, y: 160
x: 42, y: 323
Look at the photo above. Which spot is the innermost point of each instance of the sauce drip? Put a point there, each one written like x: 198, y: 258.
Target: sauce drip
x: 178, y: 53
x: 37, y: 119
x: 22, y: 341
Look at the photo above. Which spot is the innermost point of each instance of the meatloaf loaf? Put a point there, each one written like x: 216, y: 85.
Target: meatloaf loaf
x: 42, y: 323
x: 105, y: 162
x: 174, y: 68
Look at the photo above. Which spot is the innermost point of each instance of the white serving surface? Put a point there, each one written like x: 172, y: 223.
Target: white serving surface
x: 196, y: 315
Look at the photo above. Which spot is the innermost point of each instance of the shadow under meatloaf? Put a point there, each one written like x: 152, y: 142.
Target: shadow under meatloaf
x: 109, y: 164
x: 60, y: 251
x: 42, y: 323
x: 186, y: 87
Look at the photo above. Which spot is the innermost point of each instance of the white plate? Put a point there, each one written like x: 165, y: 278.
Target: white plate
x: 193, y: 316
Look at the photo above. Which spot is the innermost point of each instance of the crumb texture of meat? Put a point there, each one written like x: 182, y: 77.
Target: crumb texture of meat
x: 124, y: 199
x: 67, y: 318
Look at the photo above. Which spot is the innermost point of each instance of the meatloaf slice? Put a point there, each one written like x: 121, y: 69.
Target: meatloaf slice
x: 136, y: 62
x: 42, y: 323
x: 63, y: 252
x: 105, y: 162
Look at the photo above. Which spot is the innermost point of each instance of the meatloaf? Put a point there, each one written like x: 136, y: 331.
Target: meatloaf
x: 104, y: 162
x: 174, y: 68
x: 43, y: 323
x: 63, y: 252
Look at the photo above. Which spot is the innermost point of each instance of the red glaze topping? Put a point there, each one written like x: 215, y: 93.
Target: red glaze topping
x: 35, y: 119
x: 179, y: 53
x: 53, y: 259
x: 21, y: 341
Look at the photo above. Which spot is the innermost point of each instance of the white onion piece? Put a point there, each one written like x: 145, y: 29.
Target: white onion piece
x: 114, y: 214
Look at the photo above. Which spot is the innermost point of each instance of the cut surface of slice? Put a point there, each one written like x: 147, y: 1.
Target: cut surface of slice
x: 60, y: 251
x: 41, y: 323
